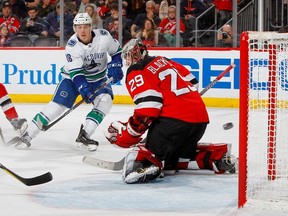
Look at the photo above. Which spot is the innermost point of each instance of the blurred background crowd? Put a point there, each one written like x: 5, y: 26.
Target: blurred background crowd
x: 159, y: 23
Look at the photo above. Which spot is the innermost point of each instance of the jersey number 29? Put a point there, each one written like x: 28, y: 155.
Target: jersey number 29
x: 138, y: 81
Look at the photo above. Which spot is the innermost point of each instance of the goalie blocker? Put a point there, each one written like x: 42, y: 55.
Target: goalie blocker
x: 142, y: 166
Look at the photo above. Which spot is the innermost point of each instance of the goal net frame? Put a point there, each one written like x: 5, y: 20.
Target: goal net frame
x: 263, y: 86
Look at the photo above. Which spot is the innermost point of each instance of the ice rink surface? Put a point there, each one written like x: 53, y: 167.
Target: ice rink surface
x: 78, y: 189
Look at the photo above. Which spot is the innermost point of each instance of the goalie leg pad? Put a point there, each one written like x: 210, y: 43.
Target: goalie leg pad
x: 208, y: 154
x: 141, y: 166
x: 216, y: 157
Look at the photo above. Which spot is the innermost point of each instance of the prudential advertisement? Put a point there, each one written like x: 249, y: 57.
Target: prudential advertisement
x: 36, y: 72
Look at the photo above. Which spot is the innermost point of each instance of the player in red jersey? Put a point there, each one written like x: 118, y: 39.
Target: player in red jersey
x: 170, y: 107
x: 19, y: 124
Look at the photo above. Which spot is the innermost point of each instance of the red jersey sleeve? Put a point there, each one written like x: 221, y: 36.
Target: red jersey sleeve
x: 147, y: 98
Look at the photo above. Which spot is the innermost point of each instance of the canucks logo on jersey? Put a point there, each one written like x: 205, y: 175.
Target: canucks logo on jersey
x: 71, y: 43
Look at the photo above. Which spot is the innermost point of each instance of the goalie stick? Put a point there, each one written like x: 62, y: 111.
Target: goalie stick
x: 45, y: 128
x: 41, y: 179
x: 118, y: 165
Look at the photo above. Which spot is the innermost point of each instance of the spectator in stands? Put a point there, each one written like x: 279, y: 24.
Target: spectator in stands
x: 19, y: 8
x: 224, y: 37
x: 33, y: 25
x: 91, y: 9
x: 109, y: 21
x: 148, y: 34
x: 224, y: 11
x: 126, y: 36
x: 124, y: 7
x: 168, y: 27
x: 83, y: 4
x: 134, y: 8
x: 104, y: 9
x: 163, y: 9
x: 156, y: 6
x: 44, y: 8
x: 53, y: 27
x: 5, y: 39
x: 190, y: 10
x: 140, y: 19
x: 10, y: 20
x: 71, y: 7
x: 77, y: 2
x: 31, y: 3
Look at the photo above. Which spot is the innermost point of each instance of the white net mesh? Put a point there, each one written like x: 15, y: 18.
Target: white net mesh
x: 267, y: 154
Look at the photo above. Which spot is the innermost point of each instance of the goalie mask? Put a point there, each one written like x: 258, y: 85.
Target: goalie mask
x: 82, y: 19
x: 133, y: 52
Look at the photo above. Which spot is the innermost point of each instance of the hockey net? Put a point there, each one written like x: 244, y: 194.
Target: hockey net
x: 263, y: 137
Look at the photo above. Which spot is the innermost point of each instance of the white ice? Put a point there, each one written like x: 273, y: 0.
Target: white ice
x: 79, y: 189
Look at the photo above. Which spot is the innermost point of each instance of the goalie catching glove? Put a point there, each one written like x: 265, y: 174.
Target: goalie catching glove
x: 122, y: 134
x: 129, y: 133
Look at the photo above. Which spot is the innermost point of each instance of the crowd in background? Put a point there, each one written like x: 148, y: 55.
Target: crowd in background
x: 152, y: 21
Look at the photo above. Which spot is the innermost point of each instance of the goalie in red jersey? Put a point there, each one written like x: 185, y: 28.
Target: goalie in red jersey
x: 169, y: 106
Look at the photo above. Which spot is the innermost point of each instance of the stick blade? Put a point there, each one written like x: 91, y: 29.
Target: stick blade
x: 116, y: 166
x: 13, y: 141
x: 46, y: 177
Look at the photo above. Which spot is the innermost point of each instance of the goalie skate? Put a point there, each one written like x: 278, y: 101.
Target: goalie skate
x: 141, y: 175
x: 228, y: 163
x: 84, y: 142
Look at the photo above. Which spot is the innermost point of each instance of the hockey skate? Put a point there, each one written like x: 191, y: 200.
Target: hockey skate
x: 228, y: 163
x: 19, y: 125
x: 143, y: 174
x: 24, y: 142
x: 84, y: 142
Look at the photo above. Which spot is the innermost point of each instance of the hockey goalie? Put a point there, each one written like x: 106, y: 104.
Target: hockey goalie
x: 172, y: 112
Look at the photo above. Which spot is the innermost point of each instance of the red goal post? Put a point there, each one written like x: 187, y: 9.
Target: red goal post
x: 263, y: 122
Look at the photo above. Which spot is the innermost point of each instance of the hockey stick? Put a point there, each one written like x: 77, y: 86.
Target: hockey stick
x: 223, y: 73
x: 110, y: 165
x: 29, y: 181
x: 119, y: 164
x: 116, y: 166
x: 45, y: 128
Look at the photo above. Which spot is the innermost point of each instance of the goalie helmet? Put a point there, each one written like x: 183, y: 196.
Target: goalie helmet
x: 82, y: 19
x: 133, y: 52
